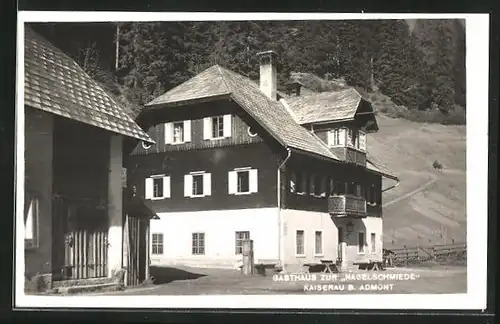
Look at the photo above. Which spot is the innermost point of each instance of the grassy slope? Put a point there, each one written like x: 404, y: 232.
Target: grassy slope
x: 435, y: 214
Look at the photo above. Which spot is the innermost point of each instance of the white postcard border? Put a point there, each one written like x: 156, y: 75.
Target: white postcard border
x: 477, y: 61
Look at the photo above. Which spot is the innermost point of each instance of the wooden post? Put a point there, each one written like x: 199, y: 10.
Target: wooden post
x: 248, y: 262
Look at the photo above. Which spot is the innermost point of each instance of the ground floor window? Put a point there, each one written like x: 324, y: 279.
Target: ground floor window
x: 198, y: 243
x: 361, y: 242
x: 318, y: 246
x: 157, y: 243
x: 240, y: 237
x: 299, y: 240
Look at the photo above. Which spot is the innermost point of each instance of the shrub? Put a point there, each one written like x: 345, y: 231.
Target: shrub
x: 437, y: 165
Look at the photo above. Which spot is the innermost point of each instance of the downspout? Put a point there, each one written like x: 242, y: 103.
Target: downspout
x: 280, y: 216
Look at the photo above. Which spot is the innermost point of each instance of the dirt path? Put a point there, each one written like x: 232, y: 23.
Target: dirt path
x: 411, y: 193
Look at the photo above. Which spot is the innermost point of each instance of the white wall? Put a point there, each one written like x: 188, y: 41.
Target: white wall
x: 219, y: 227
x: 310, y: 222
x: 368, y: 225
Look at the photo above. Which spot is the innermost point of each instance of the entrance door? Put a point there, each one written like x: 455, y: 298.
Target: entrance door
x: 137, y: 250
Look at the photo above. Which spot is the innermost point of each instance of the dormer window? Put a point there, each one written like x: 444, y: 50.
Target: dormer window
x: 351, y: 137
x: 336, y: 137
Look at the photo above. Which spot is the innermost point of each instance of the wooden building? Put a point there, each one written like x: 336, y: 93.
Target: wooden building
x: 74, y: 211
x: 235, y: 160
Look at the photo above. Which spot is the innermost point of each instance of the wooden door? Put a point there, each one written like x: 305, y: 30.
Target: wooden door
x: 85, y: 243
x: 137, y: 251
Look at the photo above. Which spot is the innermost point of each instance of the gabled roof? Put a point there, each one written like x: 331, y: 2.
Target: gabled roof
x: 326, y: 106
x: 272, y: 115
x: 54, y: 82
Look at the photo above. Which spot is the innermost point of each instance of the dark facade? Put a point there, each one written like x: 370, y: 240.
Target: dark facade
x: 217, y: 161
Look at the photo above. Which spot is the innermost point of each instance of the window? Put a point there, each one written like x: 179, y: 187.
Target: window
x: 197, y: 184
x: 299, y: 242
x: 351, y: 188
x: 336, y: 137
x: 217, y: 127
x: 293, y: 182
x: 338, y: 188
x: 362, y: 141
x: 312, y: 185
x: 373, y: 243
x: 318, y: 246
x: 319, y: 186
x: 31, y: 214
x: 361, y: 243
x: 178, y: 132
x: 157, y: 187
x: 243, y: 181
x: 198, y: 244
x: 240, y: 237
x: 299, y: 185
x: 157, y: 244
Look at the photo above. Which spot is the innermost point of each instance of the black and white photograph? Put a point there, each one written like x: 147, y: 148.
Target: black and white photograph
x: 239, y: 160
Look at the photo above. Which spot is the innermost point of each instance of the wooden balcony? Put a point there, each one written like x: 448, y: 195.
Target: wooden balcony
x: 347, y: 206
x: 355, y: 156
x: 350, y: 155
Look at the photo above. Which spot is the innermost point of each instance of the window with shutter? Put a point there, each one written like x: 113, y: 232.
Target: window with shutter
x: 217, y: 127
x: 178, y: 133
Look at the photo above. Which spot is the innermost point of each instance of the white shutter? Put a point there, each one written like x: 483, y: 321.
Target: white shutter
x: 362, y: 141
x: 166, y: 187
x: 187, y: 131
x: 188, y: 185
x: 253, y: 180
x: 148, y: 191
x: 207, y: 184
x: 342, y: 136
x: 227, y: 125
x: 232, y: 182
x: 330, y: 138
x: 168, y: 133
x: 207, y: 128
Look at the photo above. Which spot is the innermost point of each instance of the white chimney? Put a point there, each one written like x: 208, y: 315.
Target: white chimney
x: 268, y: 78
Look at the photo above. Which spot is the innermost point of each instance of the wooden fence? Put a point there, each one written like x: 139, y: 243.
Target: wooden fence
x: 417, y: 254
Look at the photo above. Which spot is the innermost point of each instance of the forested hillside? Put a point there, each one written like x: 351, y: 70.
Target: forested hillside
x: 419, y: 69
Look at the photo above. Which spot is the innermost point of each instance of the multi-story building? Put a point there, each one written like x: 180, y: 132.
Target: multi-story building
x: 234, y: 160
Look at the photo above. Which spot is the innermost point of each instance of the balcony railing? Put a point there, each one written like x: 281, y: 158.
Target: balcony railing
x: 346, y: 205
x: 354, y: 156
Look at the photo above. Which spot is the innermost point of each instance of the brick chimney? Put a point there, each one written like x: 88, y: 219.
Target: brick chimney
x: 268, y: 75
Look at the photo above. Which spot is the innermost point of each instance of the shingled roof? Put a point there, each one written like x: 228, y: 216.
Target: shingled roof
x: 325, y: 106
x: 272, y: 115
x: 55, y: 83
x: 278, y: 119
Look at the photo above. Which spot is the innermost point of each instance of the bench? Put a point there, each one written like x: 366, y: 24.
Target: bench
x: 370, y: 265
x: 326, y: 266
